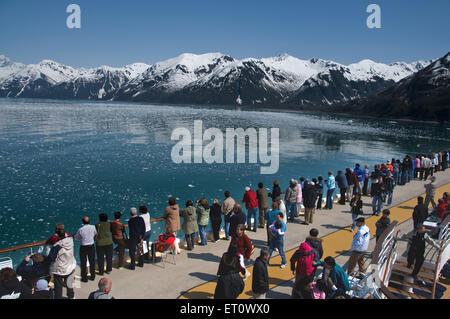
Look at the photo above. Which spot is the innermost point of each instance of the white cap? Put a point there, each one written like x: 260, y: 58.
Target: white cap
x: 247, y: 189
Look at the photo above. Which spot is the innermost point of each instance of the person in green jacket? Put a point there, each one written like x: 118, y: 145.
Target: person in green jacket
x: 334, y: 280
x: 104, y: 244
x: 189, y: 226
x: 203, y: 219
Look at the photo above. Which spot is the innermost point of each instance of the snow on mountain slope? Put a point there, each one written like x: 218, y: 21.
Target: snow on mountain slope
x: 274, y: 79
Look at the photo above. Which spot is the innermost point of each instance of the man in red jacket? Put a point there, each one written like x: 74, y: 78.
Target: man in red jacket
x: 251, y: 204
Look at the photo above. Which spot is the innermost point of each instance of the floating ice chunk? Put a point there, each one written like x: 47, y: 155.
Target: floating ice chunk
x: 191, y: 186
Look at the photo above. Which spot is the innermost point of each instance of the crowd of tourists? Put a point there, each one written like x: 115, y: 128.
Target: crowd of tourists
x: 97, y: 241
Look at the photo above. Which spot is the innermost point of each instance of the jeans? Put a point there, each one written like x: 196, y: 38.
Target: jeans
x: 227, y: 230
x: 329, y: 203
x: 403, y: 178
x: 202, y: 233
x: 366, y: 184
x: 389, y: 198
x: 252, y: 212
x: 354, y: 217
x: 429, y: 199
x: 377, y: 204
x: 87, y: 253
x: 190, y: 239
x: 277, y: 243
x: 290, y: 209
x: 395, y: 175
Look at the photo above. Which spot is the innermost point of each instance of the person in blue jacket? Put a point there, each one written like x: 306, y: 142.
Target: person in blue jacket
x: 334, y: 281
x: 360, y: 176
x: 331, y: 186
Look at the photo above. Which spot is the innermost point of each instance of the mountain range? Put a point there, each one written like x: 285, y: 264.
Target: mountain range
x: 215, y: 79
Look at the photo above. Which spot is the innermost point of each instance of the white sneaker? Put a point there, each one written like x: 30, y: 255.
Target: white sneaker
x: 276, y: 249
x: 282, y: 266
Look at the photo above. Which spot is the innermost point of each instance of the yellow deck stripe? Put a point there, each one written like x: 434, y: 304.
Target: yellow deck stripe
x: 334, y: 244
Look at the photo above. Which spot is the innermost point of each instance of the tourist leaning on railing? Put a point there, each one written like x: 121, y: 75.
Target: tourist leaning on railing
x: 86, y: 235
x: 203, y: 219
x: 104, y: 244
x: 136, y: 226
x: 145, y: 215
x: 117, y: 232
x: 190, y: 226
x: 215, y: 215
x: 172, y: 217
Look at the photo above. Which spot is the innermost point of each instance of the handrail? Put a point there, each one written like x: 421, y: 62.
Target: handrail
x: 41, y: 243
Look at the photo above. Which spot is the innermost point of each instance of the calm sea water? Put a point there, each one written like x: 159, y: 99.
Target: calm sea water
x: 62, y: 160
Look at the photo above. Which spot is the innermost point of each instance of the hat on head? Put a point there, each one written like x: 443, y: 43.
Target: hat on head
x: 357, y: 165
x: 247, y: 189
x: 361, y: 220
x: 42, y: 285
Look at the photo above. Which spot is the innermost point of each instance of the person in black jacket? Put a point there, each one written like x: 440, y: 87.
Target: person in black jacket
x: 136, y: 227
x: 420, y: 213
x: 378, y: 190
x: 260, y: 280
x: 309, y: 201
x: 215, y: 216
x: 356, y: 205
x: 33, y: 267
x: 315, y: 243
x: 382, y: 223
x: 42, y: 290
x: 230, y: 283
x: 341, y: 180
x: 276, y: 191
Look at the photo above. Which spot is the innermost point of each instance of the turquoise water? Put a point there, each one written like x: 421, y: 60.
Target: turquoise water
x: 61, y: 160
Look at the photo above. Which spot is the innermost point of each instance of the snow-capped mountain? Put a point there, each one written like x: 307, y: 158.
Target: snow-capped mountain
x: 211, y: 78
x: 423, y: 95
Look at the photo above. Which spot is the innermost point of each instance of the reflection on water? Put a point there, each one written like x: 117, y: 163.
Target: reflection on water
x: 61, y: 160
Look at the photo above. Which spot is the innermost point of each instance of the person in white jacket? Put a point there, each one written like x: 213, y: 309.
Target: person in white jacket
x: 359, y: 247
x: 63, y: 263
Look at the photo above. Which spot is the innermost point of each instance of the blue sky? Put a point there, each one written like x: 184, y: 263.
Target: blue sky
x: 117, y: 33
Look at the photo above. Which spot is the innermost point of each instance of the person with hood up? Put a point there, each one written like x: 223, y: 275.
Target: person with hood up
x: 302, y: 262
x: 172, y: 217
x: 290, y: 197
x: 360, y: 244
x: 63, y: 263
x: 203, y: 219
x: 190, y: 226
x: 11, y: 287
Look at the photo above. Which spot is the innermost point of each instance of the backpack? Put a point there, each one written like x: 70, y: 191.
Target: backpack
x: 165, y: 241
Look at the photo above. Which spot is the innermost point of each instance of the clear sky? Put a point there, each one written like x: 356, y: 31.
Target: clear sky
x: 117, y: 33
